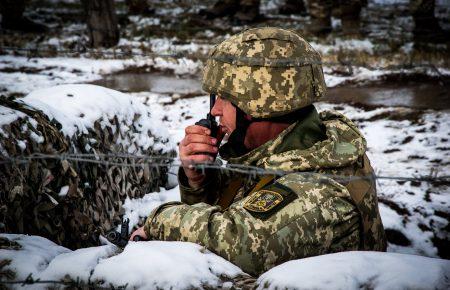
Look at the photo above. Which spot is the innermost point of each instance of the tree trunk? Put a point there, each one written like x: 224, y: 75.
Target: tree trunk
x: 101, y: 22
x: 11, y: 11
x: 138, y: 7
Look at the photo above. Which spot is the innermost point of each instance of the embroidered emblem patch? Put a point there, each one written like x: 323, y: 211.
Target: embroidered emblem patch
x: 263, y: 201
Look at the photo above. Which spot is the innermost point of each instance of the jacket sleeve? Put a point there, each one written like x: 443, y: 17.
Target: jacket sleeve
x: 319, y: 220
x: 208, y: 193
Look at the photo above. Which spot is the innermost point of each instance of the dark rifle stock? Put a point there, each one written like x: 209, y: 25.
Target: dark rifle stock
x: 121, y: 239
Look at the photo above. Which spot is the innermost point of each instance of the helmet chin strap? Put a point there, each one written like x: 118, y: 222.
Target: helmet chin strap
x: 236, y: 140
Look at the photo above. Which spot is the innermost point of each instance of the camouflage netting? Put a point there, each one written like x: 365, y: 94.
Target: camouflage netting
x: 69, y: 201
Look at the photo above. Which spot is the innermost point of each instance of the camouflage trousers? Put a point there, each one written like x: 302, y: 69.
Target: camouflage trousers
x: 347, y: 9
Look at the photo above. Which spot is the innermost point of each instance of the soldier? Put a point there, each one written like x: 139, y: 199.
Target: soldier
x: 266, y: 80
x: 320, y: 12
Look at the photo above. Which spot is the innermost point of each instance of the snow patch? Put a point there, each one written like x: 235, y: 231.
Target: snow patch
x: 357, y: 270
x: 64, y: 190
x: 141, y: 207
x: 164, y: 265
x: 364, y: 45
x: 77, y: 107
x: 34, y: 256
x: 76, y: 264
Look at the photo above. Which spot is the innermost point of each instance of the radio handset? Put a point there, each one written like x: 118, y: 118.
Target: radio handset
x: 210, y: 121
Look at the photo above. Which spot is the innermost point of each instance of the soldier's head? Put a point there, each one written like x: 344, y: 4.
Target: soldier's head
x: 262, y: 74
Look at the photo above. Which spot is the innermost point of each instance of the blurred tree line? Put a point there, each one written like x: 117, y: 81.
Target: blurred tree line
x: 101, y: 19
x: 103, y: 27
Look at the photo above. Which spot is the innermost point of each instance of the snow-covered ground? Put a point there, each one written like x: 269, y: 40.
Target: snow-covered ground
x: 22, y: 75
x: 401, y: 142
x: 359, y: 270
x: 414, y: 213
x: 149, y: 265
x: 178, y: 265
x: 409, y: 143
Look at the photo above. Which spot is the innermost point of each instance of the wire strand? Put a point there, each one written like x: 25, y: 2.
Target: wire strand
x: 167, y: 161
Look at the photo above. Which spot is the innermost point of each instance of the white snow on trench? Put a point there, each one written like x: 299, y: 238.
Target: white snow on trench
x: 179, y: 265
x: 359, y: 270
x: 142, y: 265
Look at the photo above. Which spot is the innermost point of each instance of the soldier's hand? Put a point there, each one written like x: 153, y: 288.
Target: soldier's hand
x: 139, y: 232
x: 197, y: 147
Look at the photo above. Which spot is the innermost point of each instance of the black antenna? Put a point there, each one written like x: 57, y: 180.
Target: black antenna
x: 212, y: 101
x: 210, y: 121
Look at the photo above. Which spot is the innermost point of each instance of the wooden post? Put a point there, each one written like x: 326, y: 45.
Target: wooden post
x: 101, y: 20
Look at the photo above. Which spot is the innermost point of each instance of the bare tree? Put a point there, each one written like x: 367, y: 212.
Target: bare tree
x: 101, y: 21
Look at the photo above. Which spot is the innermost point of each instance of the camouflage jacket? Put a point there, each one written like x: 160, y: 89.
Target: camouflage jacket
x: 305, y: 213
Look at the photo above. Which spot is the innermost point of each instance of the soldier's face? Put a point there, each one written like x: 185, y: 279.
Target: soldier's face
x: 226, y: 113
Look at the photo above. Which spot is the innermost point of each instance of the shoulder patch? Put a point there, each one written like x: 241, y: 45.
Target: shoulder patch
x: 263, y: 200
x: 267, y: 201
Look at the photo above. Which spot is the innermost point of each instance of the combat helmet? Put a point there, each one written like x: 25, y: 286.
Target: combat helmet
x: 266, y: 72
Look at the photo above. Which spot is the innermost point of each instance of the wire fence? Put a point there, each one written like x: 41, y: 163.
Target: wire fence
x: 252, y: 171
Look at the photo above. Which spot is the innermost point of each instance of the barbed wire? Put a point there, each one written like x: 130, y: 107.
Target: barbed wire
x: 167, y: 161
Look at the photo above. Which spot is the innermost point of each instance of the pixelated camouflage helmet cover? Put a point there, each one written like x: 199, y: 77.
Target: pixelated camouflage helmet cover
x: 266, y: 72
